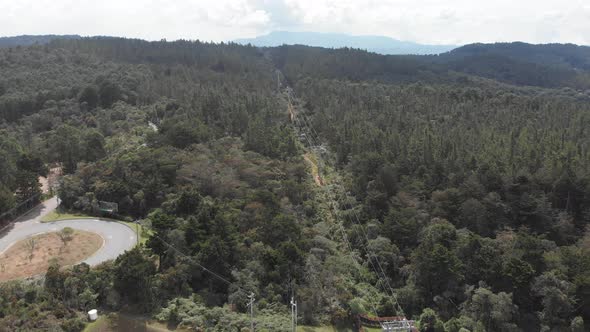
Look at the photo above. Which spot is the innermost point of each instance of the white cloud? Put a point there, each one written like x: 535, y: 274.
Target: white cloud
x: 149, y: 19
x: 451, y: 21
x: 428, y: 21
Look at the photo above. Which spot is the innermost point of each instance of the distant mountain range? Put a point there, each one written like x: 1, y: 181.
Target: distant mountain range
x: 26, y: 40
x: 377, y: 44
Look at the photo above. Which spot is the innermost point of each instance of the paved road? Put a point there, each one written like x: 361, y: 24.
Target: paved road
x: 117, y: 237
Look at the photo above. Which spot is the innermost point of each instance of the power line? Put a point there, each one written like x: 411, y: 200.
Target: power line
x: 190, y: 258
x: 350, y: 205
x: 15, y: 210
x: 28, y: 200
x: 380, y: 272
x: 358, y: 222
x: 371, y: 254
x: 344, y: 237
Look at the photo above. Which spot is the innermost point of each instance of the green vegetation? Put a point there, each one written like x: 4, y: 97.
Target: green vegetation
x: 143, y: 232
x: 467, y: 197
x: 322, y: 329
x: 372, y: 329
x: 55, y: 215
x: 101, y: 324
x: 112, y: 322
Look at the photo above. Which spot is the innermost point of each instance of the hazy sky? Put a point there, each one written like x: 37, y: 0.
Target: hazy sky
x: 427, y: 21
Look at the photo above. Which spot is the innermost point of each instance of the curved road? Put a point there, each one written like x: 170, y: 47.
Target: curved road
x: 117, y: 237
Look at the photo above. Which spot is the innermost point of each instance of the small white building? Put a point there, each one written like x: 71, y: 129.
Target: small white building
x: 92, y: 315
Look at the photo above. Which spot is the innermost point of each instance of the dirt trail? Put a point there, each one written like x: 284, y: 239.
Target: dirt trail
x: 315, y: 171
x: 308, y: 156
x: 291, y: 112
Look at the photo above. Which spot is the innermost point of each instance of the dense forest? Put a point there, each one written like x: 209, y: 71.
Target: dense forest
x: 455, y: 190
x: 27, y: 40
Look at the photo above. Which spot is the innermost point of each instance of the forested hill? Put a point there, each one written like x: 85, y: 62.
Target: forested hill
x: 26, y: 40
x: 471, y: 193
x: 544, y: 65
x: 549, y: 66
x: 563, y: 55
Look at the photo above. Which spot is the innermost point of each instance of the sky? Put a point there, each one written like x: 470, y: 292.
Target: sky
x: 425, y: 21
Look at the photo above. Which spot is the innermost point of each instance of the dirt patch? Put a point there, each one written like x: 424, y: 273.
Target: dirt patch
x: 20, y: 262
x: 49, y: 183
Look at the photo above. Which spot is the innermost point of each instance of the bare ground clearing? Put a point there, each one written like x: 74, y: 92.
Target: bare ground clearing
x: 32, y: 256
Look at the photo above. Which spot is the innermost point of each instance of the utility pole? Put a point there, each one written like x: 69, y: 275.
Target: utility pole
x: 293, y: 315
x: 137, y: 231
x: 251, y: 305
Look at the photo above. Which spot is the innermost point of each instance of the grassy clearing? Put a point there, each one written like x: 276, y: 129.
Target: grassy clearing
x: 113, y: 322
x: 99, y: 325
x: 57, y: 215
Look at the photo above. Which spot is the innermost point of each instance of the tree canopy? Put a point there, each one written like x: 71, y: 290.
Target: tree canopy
x: 461, y: 184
